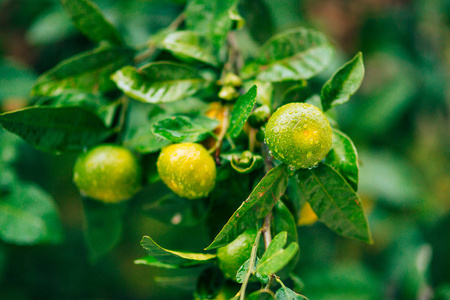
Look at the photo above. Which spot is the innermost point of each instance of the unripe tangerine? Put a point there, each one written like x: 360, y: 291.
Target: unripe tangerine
x: 299, y: 135
x: 109, y: 173
x: 187, y: 169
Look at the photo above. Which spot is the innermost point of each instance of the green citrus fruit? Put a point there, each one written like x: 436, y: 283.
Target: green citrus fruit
x: 232, y: 256
x: 108, y: 173
x: 187, y: 169
x: 299, y: 135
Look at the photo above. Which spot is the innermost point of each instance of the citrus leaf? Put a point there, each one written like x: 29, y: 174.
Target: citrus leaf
x: 179, y: 129
x: 188, y: 46
x: 29, y: 216
x: 275, y: 257
x: 95, y: 104
x: 293, y: 55
x: 255, y: 207
x: 344, y: 158
x: 210, y: 18
x: 241, y: 111
x: 88, y: 72
x: 102, y: 226
x: 159, y: 82
x: 285, y: 293
x: 283, y: 220
x: 175, y: 258
x: 88, y: 18
x: 243, y: 270
x: 56, y: 129
x: 151, y: 261
x: 335, y: 202
x: 343, y: 84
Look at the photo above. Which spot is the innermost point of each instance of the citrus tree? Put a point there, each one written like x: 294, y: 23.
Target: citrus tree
x: 231, y: 135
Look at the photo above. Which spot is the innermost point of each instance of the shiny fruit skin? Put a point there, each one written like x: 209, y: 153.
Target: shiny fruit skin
x: 187, y: 169
x: 108, y: 173
x: 299, y: 135
x: 232, y: 256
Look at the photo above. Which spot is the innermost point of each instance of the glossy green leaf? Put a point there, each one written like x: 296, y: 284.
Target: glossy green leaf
x: 29, y: 216
x: 102, y: 226
x: 175, y: 258
x: 241, y: 111
x: 211, y: 18
x: 343, y: 84
x: 275, y: 257
x: 243, y: 270
x: 174, y: 210
x: 96, y: 104
x: 344, y: 158
x: 285, y: 293
x: 189, y: 46
x: 255, y: 207
x: 88, y: 18
x: 179, y: 129
x: 335, y: 202
x: 159, y: 82
x: 56, y: 129
x: 293, y: 55
x: 88, y: 72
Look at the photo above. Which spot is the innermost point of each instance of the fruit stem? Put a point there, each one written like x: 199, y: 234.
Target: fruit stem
x: 251, y: 266
x: 218, y: 145
x: 266, y: 230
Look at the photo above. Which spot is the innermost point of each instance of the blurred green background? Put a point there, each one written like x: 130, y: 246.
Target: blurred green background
x: 399, y: 121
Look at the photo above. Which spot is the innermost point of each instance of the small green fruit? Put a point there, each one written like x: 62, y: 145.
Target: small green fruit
x: 232, y: 256
x: 108, y: 173
x: 299, y: 135
x: 187, y: 169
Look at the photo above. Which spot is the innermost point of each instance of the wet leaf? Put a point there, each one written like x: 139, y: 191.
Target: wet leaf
x: 88, y: 18
x: 56, y: 129
x: 293, y: 55
x: 343, y: 84
x: 275, y: 257
x: 343, y: 158
x: 189, y: 46
x: 257, y: 206
x: 169, y: 257
x: 285, y: 293
x: 211, y: 18
x: 241, y: 111
x: 179, y: 129
x: 335, y: 202
x: 159, y: 82
x: 88, y: 72
x: 96, y: 104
